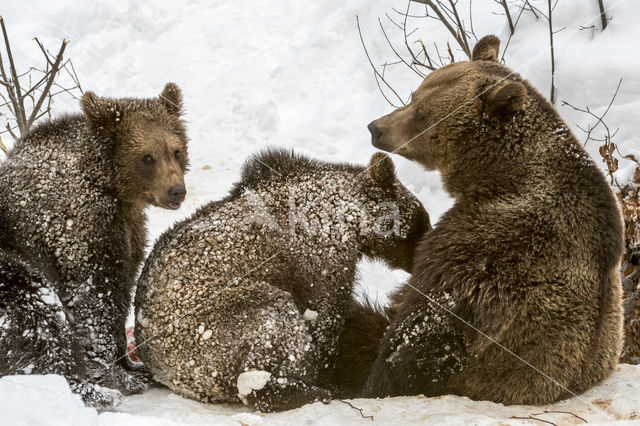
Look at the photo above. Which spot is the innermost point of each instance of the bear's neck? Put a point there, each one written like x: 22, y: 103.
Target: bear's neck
x: 506, y: 156
x: 135, y: 223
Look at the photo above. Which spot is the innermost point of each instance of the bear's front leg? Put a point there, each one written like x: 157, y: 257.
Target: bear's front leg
x: 325, y: 321
x: 99, y: 310
x: 420, y: 352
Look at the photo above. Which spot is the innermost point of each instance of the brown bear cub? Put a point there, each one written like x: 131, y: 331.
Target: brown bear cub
x: 515, y: 295
x: 72, y: 236
x: 246, y: 299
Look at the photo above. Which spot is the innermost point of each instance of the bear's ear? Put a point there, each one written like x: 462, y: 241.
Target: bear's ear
x: 171, y: 98
x: 101, y: 112
x: 486, y: 49
x: 382, y: 170
x: 507, y: 97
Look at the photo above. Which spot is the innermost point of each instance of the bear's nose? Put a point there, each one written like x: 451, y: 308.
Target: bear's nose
x: 375, y: 132
x: 177, y: 193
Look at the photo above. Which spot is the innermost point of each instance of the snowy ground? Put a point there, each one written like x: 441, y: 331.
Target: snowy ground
x: 292, y: 73
x: 616, y: 401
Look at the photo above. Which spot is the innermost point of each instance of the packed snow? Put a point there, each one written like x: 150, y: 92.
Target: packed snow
x: 616, y: 401
x: 293, y: 74
x: 310, y: 315
x: 252, y: 380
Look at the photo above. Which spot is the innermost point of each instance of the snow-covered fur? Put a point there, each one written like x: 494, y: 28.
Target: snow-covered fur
x: 246, y: 299
x: 515, y: 295
x: 72, y: 234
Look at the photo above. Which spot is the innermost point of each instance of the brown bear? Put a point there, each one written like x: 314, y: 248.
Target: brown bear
x: 246, y: 299
x: 72, y: 236
x: 515, y: 295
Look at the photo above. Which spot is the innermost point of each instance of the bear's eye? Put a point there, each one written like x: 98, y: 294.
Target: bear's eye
x: 177, y: 154
x: 418, y: 115
x: 147, y: 159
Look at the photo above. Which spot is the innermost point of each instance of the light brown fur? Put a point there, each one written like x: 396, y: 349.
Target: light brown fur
x: 528, y: 255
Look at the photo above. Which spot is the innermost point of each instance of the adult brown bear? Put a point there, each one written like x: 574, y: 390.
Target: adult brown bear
x: 515, y: 295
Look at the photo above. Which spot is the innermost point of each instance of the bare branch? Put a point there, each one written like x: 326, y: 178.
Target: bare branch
x: 603, y: 16
x: 3, y: 147
x: 460, y: 35
x: 396, y: 52
x: 52, y: 76
x: 356, y: 408
x: 13, y: 97
x: 506, y: 46
x: 505, y: 6
x: 20, y: 112
x: 553, y: 60
x: 376, y: 73
x: 599, y: 118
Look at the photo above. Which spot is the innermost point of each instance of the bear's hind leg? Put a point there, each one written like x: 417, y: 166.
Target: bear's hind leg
x: 276, y: 349
x: 35, y: 333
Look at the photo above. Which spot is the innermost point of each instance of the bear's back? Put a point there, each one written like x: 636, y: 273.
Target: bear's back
x: 56, y: 192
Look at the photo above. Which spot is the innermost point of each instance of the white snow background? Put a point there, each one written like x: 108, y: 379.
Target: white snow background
x: 289, y: 73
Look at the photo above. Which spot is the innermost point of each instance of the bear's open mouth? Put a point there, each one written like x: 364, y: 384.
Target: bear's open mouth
x: 174, y: 206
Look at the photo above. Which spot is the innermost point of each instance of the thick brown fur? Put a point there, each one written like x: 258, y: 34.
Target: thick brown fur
x: 358, y: 346
x: 261, y: 282
x: 515, y: 295
x: 72, y: 236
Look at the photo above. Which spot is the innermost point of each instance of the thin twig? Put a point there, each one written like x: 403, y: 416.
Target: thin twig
x: 52, y: 76
x: 561, y: 412
x: 20, y: 113
x: 505, y: 6
x: 359, y: 410
x: 375, y: 70
x: 515, y: 25
x: 553, y: 60
x: 463, y: 34
x: 6, y: 82
x: 396, y: 52
x: 533, y: 418
x: 3, y: 147
x: 603, y: 16
x: 460, y: 36
x: 599, y: 118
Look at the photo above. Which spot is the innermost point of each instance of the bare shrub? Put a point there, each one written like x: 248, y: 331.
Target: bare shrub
x: 29, y: 96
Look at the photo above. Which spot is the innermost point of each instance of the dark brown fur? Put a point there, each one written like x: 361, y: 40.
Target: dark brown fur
x: 529, y: 254
x: 72, y: 236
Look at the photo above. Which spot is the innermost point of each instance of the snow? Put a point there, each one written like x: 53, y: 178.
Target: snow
x: 616, y: 401
x: 291, y: 73
x: 310, y: 315
x: 252, y: 380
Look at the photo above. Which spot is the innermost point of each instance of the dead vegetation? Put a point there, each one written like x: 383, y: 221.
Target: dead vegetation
x: 29, y: 95
x: 422, y: 57
x: 627, y: 191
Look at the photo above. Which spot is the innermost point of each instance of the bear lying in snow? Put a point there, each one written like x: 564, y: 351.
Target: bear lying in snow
x: 72, y: 235
x: 246, y: 299
x: 515, y: 295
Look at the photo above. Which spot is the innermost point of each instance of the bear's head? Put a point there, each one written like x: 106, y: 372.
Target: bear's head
x: 147, y: 145
x: 396, y: 218
x: 462, y: 115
